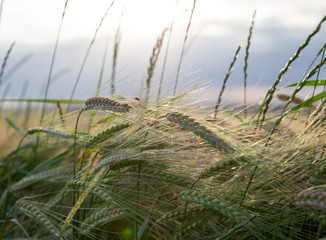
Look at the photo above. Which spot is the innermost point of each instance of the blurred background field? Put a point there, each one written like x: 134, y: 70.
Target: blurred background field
x: 216, y: 30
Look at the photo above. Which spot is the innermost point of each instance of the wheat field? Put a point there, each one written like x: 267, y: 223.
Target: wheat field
x: 166, y: 167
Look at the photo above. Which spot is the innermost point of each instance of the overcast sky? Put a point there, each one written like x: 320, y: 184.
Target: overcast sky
x: 217, y: 29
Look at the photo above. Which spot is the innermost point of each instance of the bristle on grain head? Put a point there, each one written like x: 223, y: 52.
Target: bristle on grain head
x: 105, y: 104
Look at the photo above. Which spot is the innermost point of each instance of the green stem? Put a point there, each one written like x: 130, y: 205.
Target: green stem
x: 279, y: 221
x: 137, y: 201
x: 74, y: 161
x: 185, y: 210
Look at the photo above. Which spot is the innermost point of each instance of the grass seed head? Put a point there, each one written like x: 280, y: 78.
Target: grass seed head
x: 105, y: 104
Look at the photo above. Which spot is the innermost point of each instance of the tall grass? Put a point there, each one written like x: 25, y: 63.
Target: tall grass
x: 269, y: 96
x: 87, y: 53
x: 225, y: 80
x: 246, y: 63
x: 152, y: 62
x: 183, y: 48
x: 117, y: 40
x: 53, y: 60
x: 4, y: 63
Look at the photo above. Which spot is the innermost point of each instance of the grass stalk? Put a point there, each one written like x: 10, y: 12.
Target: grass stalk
x: 137, y: 199
x: 17, y: 66
x: 117, y: 40
x: 22, y: 96
x: 279, y: 222
x: 52, y: 61
x: 300, y: 86
x: 246, y: 64
x: 225, y: 80
x: 99, y: 83
x: 152, y: 63
x: 4, y: 63
x: 1, y: 6
x: 183, y: 48
x: 317, y: 77
x: 270, y: 93
x: 81, y: 199
x: 4, y: 95
x: 74, y: 151
x: 185, y: 210
x: 87, y: 53
x: 164, y: 63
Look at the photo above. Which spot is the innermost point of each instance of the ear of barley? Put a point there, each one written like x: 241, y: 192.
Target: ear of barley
x: 110, y: 160
x: 105, y: 134
x: 233, y: 213
x: 41, y: 176
x: 317, y: 175
x: 50, y: 131
x: 81, y: 199
x: 33, y: 211
x: 192, y: 226
x: 102, y: 218
x: 312, y: 198
x: 201, y: 131
x: 222, y: 165
x: 105, y: 104
x: 95, y: 190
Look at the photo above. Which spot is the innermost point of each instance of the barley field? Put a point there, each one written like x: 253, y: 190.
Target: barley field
x: 167, y: 167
